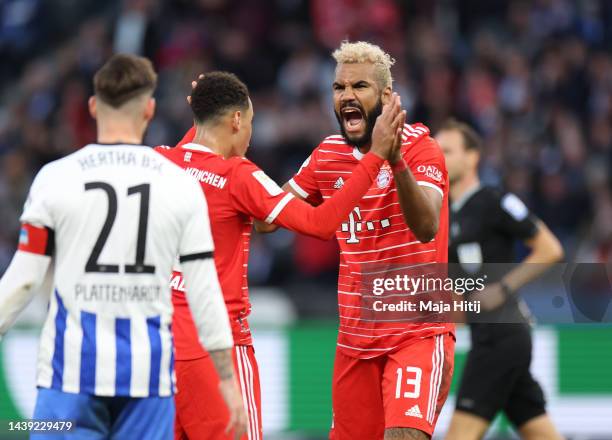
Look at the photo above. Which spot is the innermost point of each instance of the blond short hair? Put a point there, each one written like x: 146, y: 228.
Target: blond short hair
x: 364, y: 52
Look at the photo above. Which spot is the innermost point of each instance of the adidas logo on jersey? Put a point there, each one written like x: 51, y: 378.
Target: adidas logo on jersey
x: 414, y: 412
x: 187, y: 157
x: 339, y: 183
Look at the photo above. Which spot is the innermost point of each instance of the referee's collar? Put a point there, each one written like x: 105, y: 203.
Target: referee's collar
x: 457, y: 205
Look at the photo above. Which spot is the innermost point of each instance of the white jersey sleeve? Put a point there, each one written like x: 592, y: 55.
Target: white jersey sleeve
x: 196, y: 240
x: 39, y: 205
x: 27, y: 270
x: 203, y: 291
x: 19, y: 284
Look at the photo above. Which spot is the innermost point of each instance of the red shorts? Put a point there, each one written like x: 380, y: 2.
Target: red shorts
x: 401, y: 389
x: 201, y: 413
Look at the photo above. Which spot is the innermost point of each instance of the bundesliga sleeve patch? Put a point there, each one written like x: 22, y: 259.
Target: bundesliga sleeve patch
x: 36, y: 240
x: 268, y: 184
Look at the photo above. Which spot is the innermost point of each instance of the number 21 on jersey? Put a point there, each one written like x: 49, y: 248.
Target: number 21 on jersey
x: 93, y: 265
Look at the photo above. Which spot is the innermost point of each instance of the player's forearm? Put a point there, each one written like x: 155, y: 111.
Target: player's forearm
x: 266, y: 228
x: 223, y: 363
x: 18, y: 285
x: 420, y: 214
x: 207, y: 304
x: 323, y: 221
x: 263, y: 227
x: 545, y: 251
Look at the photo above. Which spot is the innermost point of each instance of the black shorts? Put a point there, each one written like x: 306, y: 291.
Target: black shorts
x: 496, y: 375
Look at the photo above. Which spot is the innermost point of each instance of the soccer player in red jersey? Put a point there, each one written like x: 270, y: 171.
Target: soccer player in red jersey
x: 390, y: 378
x: 238, y: 191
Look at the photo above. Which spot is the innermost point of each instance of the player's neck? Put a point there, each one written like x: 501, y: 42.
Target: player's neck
x: 117, y: 131
x: 211, y: 138
x: 458, y: 189
x: 365, y: 149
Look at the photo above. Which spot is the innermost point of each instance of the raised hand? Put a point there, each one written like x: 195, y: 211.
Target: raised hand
x: 193, y: 86
x: 395, y: 155
x: 387, y: 128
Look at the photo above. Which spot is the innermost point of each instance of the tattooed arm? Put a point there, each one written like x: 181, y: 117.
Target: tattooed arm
x: 223, y: 363
x: 229, y: 390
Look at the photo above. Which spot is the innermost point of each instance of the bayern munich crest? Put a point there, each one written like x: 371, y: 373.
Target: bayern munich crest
x: 383, y: 179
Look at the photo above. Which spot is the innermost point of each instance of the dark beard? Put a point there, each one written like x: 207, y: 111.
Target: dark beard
x: 370, y: 120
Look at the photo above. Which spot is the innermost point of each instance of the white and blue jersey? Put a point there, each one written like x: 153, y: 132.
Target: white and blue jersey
x: 119, y: 215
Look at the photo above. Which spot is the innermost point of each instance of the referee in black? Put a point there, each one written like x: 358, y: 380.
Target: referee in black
x: 484, y: 227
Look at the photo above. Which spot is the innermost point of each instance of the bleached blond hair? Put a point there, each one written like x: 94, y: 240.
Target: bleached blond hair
x: 364, y: 52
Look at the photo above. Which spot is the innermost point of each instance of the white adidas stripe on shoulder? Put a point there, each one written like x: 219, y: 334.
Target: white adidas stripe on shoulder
x: 335, y: 139
x: 333, y: 142
x: 409, y: 133
x: 419, y: 130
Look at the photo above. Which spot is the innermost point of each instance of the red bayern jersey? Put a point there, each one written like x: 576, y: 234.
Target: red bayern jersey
x: 235, y: 189
x: 376, y: 233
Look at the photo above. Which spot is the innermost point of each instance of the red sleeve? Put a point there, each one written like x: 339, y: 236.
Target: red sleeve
x: 304, y: 182
x: 188, y: 137
x: 36, y: 240
x: 426, y: 161
x: 323, y: 221
x: 254, y: 193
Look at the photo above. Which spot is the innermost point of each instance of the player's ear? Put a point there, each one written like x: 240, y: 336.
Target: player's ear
x: 150, y: 109
x: 236, y: 120
x: 386, y: 95
x: 93, y: 110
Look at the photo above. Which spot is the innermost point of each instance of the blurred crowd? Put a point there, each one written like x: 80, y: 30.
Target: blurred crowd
x: 534, y: 78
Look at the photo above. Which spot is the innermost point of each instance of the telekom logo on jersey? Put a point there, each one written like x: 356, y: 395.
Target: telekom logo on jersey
x: 355, y: 224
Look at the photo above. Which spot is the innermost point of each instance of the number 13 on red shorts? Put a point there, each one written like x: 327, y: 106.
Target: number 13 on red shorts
x: 422, y: 373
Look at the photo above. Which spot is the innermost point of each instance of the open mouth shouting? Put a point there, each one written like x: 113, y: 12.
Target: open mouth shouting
x: 353, y: 120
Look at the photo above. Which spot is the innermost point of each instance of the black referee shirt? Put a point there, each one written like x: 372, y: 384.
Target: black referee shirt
x: 485, y: 225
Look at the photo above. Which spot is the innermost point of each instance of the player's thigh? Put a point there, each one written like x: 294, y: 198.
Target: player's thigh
x: 356, y: 398
x: 150, y: 417
x: 539, y: 428
x: 201, y: 412
x: 526, y: 402
x: 405, y: 434
x: 206, y: 418
x: 416, y: 383
x: 179, y: 432
x: 88, y: 413
x: 489, y: 376
x: 466, y: 426
x: 248, y: 375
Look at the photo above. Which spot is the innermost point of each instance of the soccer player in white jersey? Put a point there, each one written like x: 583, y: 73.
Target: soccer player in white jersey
x: 112, y: 217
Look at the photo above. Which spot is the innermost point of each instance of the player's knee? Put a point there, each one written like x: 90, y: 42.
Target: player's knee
x: 405, y: 434
x: 539, y: 428
x: 465, y: 426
